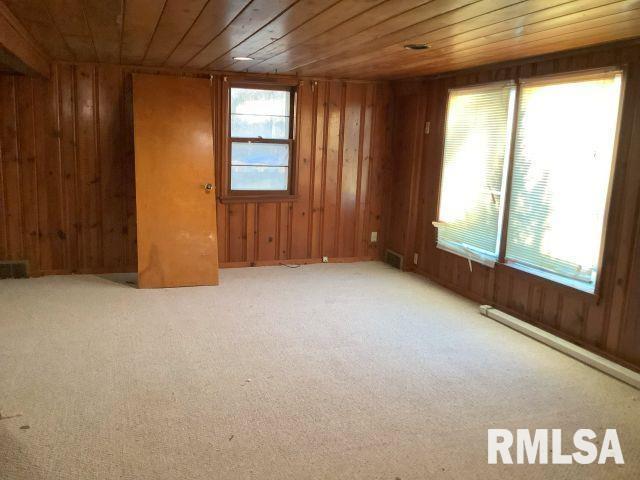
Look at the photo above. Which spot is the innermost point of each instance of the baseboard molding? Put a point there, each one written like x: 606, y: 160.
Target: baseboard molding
x: 258, y: 263
x: 581, y: 354
x: 294, y: 261
x: 85, y: 271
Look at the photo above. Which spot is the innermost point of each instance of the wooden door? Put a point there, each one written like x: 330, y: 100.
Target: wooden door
x: 175, y: 198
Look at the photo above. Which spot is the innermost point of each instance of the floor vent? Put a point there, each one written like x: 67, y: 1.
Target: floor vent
x: 394, y: 259
x: 14, y: 269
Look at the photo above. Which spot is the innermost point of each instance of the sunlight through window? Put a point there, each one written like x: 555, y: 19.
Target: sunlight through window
x: 563, y: 146
x: 562, y: 164
x: 261, y: 138
x: 476, y: 150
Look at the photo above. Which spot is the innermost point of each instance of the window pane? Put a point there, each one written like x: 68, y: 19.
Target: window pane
x: 259, y: 178
x: 260, y: 102
x: 260, y: 113
x: 271, y: 154
x: 259, y: 166
x: 254, y: 126
x: 476, y: 149
x: 562, y: 164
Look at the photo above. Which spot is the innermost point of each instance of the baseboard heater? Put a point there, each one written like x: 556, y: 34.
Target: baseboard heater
x: 585, y: 356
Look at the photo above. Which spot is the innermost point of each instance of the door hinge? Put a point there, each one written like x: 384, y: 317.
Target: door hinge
x: 427, y: 128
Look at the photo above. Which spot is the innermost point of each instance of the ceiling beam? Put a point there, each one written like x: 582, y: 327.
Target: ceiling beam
x: 17, y: 48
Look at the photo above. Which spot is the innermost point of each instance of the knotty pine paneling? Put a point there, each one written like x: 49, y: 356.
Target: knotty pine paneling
x: 67, y: 171
x: 330, y: 38
x: 340, y: 182
x: 67, y: 186
x: 609, y: 322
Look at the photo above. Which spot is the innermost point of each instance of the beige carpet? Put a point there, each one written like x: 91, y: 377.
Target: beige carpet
x: 324, y: 371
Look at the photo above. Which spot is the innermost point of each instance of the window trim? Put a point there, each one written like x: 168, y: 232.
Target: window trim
x: 501, y: 261
x: 505, y: 205
x: 232, y: 196
x: 485, y: 257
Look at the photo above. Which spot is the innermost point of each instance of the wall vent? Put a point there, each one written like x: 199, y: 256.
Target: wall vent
x: 14, y: 269
x: 394, y: 259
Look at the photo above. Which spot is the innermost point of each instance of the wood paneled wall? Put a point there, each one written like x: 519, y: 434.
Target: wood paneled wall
x: 67, y: 190
x: 340, y: 181
x: 608, y: 323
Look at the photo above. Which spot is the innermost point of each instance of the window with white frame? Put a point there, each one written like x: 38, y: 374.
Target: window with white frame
x: 473, y: 173
x: 547, y: 198
x: 261, y: 139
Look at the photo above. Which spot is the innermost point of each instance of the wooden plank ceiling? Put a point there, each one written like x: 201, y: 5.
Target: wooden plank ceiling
x: 328, y: 38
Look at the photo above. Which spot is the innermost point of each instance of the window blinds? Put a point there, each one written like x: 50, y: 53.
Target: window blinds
x: 473, y: 176
x: 561, y: 169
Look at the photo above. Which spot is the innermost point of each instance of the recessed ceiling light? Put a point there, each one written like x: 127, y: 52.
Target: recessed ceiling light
x: 417, y: 46
x: 242, y: 59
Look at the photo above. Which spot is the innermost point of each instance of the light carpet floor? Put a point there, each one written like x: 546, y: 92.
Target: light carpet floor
x: 345, y: 371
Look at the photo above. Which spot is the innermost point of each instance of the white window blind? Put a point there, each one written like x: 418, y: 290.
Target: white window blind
x: 564, y: 144
x: 473, y: 176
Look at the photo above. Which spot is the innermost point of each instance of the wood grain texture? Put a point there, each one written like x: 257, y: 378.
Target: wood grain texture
x: 476, y: 24
x: 70, y: 20
x: 173, y: 24
x: 248, y: 23
x: 141, y: 19
x: 104, y: 18
x: 608, y: 323
x: 209, y: 24
x: 176, y: 215
x: 321, y: 38
x: 19, y: 51
x: 341, y: 136
x: 67, y: 174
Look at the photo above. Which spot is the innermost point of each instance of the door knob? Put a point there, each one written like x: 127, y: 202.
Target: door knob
x: 208, y: 187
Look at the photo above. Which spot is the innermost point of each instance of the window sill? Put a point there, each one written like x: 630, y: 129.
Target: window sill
x: 257, y: 198
x: 468, y: 254
x: 540, y: 276
x: 557, y: 280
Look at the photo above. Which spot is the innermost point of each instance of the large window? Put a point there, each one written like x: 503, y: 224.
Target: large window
x: 261, y: 138
x: 473, y: 175
x: 546, y: 199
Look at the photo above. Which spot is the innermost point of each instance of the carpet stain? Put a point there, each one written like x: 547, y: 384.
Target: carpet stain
x: 25, y: 427
x: 231, y: 437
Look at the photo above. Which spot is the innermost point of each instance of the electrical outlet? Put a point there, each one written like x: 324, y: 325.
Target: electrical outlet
x: 374, y: 237
x: 325, y: 259
x: 415, y: 258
